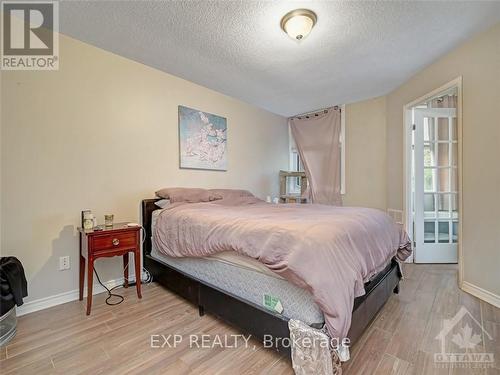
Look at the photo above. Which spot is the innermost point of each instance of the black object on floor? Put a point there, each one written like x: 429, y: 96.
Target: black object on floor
x: 13, y: 285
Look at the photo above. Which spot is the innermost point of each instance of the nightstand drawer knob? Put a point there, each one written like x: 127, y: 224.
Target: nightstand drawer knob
x: 116, y: 241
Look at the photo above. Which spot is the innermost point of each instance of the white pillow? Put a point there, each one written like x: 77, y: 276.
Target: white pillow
x: 162, y: 203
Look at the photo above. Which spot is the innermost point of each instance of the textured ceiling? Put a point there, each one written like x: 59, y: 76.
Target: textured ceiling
x: 356, y: 51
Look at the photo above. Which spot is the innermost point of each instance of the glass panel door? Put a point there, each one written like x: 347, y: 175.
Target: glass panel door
x: 436, y: 201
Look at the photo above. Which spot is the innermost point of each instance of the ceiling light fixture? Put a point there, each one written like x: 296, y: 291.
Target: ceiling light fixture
x: 298, y: 23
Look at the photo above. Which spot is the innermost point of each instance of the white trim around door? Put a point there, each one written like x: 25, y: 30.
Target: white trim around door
x: 407, y: 142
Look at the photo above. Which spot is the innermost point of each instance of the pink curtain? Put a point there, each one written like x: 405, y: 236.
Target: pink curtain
x: 317, y: 140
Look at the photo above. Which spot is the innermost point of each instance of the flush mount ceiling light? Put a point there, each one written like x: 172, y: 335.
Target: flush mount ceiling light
x: 298, y: 23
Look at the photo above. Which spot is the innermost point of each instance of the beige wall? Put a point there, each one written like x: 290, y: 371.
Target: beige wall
x: 478, y: 62
x: 365, y: 154
x: 101, y: 133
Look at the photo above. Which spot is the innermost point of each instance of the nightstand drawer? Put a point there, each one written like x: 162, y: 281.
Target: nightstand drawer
x: 115, y: 241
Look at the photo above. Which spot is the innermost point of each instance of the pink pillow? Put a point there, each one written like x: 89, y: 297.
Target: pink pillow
x: 189, y: 195
x: 231, y: 193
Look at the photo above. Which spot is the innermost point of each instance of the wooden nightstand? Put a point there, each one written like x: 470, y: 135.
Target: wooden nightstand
x: 111, y: 241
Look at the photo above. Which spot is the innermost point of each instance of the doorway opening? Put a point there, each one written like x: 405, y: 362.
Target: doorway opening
x: 433, y: 142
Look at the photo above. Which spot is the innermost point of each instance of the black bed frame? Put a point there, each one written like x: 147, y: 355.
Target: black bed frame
x: 249, y: 317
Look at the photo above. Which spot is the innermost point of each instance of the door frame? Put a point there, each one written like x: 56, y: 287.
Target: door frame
x: 408, y: 126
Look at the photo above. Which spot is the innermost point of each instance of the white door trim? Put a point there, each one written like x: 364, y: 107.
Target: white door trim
x: 408, y: 125
x: 408, y: 209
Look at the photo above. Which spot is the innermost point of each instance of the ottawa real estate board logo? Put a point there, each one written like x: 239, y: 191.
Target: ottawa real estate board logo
x: 30, y: 35
x: 464, y: 343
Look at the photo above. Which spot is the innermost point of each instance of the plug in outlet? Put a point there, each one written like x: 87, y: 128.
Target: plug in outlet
x: 64, y: 263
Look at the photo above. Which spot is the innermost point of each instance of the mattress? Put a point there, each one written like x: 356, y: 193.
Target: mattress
x: 247, y: 279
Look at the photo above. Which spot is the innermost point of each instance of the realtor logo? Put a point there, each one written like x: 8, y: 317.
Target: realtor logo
x: 30, y: 35
x: 465, y: 338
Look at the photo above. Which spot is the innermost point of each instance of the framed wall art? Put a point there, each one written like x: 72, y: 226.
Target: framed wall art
x: 202, y: 140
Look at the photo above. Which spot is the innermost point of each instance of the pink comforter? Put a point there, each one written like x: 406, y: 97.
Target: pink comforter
x: 330, y: 251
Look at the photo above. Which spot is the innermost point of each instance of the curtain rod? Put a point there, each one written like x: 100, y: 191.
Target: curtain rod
x: 317, y: 112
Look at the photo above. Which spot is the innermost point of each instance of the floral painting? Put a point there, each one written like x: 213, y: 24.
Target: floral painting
x: 202, y: 139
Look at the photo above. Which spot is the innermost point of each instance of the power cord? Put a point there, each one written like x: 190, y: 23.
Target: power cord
x: 110, y: 295
x: 149, y: 279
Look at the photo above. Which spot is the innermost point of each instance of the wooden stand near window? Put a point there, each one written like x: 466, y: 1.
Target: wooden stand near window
x: 285, y: 196
x: 116, y: 240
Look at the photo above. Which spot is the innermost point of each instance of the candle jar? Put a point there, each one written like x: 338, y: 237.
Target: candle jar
x: 88, y: 220
x: 108, y: 220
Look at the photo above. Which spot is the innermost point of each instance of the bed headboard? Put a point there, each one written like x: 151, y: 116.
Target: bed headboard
x: 148, y: 206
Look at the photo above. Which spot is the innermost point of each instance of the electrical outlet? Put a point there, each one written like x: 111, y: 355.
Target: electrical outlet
x: 64, y: 263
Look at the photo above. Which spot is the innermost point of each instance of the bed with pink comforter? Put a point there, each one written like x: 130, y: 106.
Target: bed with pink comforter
x: 330, y: 251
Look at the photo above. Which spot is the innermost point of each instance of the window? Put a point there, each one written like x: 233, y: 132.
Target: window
x: 296, y: 164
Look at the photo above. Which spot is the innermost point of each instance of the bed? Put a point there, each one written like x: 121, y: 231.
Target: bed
x: 231, y: 288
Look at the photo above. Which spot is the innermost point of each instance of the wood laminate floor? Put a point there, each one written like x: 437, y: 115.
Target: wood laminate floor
x: 117, y: 339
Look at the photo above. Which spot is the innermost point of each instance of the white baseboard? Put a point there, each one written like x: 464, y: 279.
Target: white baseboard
x: 481, y: 293
x: 72, y: 295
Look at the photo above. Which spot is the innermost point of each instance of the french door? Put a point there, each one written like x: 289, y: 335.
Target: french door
x: 436, y: 185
